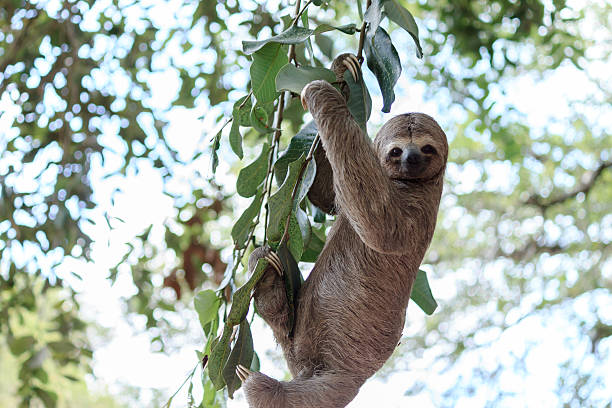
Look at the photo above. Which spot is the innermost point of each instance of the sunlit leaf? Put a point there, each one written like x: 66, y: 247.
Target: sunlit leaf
x: 294, y: 79
x: 347, y: 28
x: 294, y: 35
x: 373, y: 17
x: 266, y: 64
x: 242, y: 227
x: 206, y: 304
x: 384, y: 62
x: 404, y: 19
x: 254, y: 174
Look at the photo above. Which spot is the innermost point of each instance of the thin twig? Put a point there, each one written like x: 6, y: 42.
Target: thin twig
x: 246, y: 98
x: 183, y: 384
x: 297, y: 17
x: 362, y: 35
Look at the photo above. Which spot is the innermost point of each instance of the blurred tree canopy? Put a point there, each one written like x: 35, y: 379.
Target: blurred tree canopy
x: 521, y: 252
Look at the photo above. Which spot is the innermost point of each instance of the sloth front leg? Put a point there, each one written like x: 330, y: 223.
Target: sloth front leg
x: 270, y: 296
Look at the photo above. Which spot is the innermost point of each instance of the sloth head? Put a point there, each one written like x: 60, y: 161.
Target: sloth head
x: 412, y: 147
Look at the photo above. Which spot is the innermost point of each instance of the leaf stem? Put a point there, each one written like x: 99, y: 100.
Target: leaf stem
x: 182, y: 385
x: 299, y: 14
x: 246, y: 98
x: 362, y: 35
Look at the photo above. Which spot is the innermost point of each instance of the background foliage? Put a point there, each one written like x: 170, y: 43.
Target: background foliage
x: 520, y: 261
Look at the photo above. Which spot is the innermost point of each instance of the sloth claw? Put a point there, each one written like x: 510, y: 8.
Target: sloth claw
x: 352, y: 64
x: 275, y: 261
x: 242, y: 372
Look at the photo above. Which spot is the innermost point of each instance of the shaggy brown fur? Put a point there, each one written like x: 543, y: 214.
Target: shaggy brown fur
x: 352, y: 307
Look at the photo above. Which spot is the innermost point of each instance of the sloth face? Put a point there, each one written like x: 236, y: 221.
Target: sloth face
x: 412, y: 147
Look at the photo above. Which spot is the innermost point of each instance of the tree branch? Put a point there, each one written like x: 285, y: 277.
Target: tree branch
x: 584, y: 187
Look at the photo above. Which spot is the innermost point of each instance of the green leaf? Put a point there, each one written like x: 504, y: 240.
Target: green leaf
x: 305, y: 230
x: 404, y: 19
x: 235, y: 138
x: 206, y: 304
x: 215, y: 147
x: 242, y: 354
x: 259, y: 120
x: 294, y: 35
x: 421, y: 293
x: 266, y: 64
x: 280, y: 203
x: 294, y: 79
x: 209, y: 392
x: 373, y: 16
x: 61, y: 347
x: 359, y: 102
x: 242, y: 227
x: 254, y: 174
x: 255, y: 364
x: 48, y: 398
x: 244, y: 111
x: 293, y: 281
x: 314, y: 248
x: 347, y: 28
x: 241, y: 299
x: 18, y: 345
x: 326, y: 45
x: 317, y: 215
x: 210, y: 330
x: 384, y: 62
x: 299, y: 144
x: 218, y: 357
x: 295, y: 237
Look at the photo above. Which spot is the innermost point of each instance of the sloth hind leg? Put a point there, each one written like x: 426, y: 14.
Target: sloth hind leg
x: 328, y: 390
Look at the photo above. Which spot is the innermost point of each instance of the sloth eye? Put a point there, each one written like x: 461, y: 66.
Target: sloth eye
x: 428, y: 149
x: 395, y: 152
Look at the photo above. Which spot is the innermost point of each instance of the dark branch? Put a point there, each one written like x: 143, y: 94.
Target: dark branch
x: 584, y: 187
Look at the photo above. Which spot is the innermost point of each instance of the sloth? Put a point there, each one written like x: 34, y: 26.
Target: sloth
x: 351, y: 308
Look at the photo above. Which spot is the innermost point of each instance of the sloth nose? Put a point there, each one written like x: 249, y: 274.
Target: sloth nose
x: 412, y: 156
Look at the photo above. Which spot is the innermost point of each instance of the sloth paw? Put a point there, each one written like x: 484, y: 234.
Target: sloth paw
x: 352, y: 64
x: 275, y: 261
x: 242, y: 372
